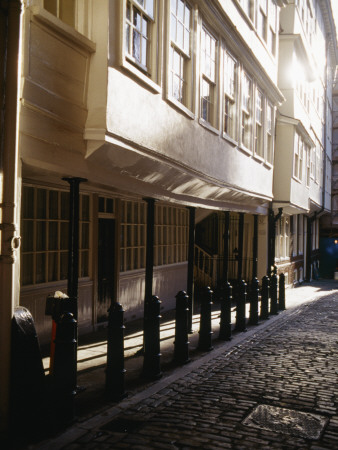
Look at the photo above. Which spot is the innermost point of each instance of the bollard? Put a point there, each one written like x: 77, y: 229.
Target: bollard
x: 225, y: 322
x: 205, y: 332
x: 273, y: 294
x: 115, y: 370
x: 265, y: 298
x: 281, y: 303
x: 253, y: 320
x: 151, y: 340
x: 240, y: 308
x: 181, y: 344
x: 65, y: 368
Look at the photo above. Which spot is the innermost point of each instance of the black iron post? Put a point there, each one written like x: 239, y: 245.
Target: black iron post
x: 181, y: 345
x: 64, y: 371
x: 115, y: 370
x: 240, y: 245
x: 149, y: 251
x: 255, y: 248
x: 272, y: 219
x: 265, y: 298
x: 205, y: 332
x: 191, y: 254
x: 281, y: 302
x: 273, y: 294
x: 73, y: 241
x: 151, y: 341
x: 226, y: 246
x: 240, y: 307
x: 254, y: 302
x: 225, y: 322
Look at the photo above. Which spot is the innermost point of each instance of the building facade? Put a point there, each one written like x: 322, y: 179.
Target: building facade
x: 303, y: 156
x: 173, y: 101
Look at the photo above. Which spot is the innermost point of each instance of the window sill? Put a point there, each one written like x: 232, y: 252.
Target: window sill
x: 176, y: 104
x: 258, y: 158
x: 268, y: 164
x: 245, y: 150
x: 208, y: 126
x: 229, y: 139
x: 141, y: 76
x: 68, y: 32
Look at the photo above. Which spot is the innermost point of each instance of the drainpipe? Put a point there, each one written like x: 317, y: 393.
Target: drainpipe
x: 9, y: 217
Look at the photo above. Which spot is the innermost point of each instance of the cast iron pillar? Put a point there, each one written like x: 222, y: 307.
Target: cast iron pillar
x: 255, y: 248
x: 73, y: 242
x: 226, y: 246
x: 149, y: 257
x: 281, y: 299
x: 240, y: 245
x: 191, y: 254
x: 274, y: 295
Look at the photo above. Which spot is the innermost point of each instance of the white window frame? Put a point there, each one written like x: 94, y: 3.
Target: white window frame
x: 295, y: 235
x: 270, y: 132
x: 300, y: 234
x: 246, y: 111
x: 180, y: 55
x: 259, y: 123
x: 230, y: 88
x: 151, y: 74
x: 208, y: 80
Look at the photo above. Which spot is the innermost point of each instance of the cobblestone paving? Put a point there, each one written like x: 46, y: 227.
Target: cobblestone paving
x: 292, y: 364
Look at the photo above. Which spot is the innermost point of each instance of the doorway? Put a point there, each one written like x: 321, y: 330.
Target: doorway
x: 106, y: 267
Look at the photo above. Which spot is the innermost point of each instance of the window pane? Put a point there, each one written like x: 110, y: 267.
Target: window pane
x: 109, y: 206
x: 85, y: 236
x: 27, y: 235
x: 67, y: 12
x: 63, y: 265
x: 41, y: 196
x: 27, y: 269
x: 53, y: 205
x: 85, y: 207
x: 27, y: 202
x: 40, y: 268
x: 40, y: 236
x: 53, y: 266
x: 64, y: 236
x: 101, y: 204
x: 51, y: 6
x: 53, y: 236
x: 64, y: 205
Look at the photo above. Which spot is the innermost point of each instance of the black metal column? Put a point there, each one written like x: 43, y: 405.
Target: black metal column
x: 191, y: 254
x: 308, y: 249
x: 240, y: 245
x: 255, y: 248
x: 149, y: 255
x: 73, y: 242
x: 226, y: 247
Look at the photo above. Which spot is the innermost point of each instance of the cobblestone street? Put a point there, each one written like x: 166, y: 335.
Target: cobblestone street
x: 291, y: 364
